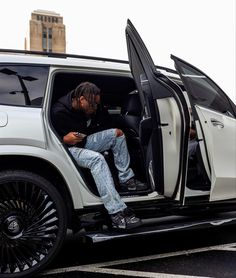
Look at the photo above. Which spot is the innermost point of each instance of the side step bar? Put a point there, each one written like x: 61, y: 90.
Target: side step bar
x: 164, y: 224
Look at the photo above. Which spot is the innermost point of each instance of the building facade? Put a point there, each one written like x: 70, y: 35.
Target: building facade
x: 47, y: 32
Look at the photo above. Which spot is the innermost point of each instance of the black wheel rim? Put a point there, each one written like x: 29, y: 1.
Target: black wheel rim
x: 28, y: 226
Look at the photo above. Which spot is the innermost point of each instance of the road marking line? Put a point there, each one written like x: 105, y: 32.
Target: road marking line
x: 133, y: 273
x: 113, y: 271
x: 227, y: 249
x: 100, y: 267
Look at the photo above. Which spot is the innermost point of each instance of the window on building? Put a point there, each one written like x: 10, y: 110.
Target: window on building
x: 50, y: 39
x: 44, y: 39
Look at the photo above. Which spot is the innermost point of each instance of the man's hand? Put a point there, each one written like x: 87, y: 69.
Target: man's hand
x: 72, y: 138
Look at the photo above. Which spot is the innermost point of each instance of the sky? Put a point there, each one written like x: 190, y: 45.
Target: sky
x: 201, y: 32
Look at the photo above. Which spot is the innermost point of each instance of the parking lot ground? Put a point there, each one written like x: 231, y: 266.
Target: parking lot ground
x: 219, y: 264
x: 213, y: 261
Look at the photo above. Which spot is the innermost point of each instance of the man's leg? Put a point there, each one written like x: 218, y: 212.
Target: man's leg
x: 111, y: 139
x: 121, y: 217
x: 114, y: 139
x: 102, y: 176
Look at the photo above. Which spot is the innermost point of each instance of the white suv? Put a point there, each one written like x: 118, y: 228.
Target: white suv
x: 42, y: 190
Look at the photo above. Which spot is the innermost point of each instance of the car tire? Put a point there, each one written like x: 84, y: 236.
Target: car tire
x: 32, y: 223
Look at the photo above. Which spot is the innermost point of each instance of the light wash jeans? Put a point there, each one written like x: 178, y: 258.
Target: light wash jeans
x: 90, y: 157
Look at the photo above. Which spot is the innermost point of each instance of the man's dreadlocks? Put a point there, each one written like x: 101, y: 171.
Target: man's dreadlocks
x: 88, y: 90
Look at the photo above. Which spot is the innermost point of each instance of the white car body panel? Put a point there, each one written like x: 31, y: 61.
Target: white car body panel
x: 22, y: 126
x: 221, y: 145
x: 171, y: 136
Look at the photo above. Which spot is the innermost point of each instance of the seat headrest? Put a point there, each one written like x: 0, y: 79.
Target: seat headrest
x: 132, y: 105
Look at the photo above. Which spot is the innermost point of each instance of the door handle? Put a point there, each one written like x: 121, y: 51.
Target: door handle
x: 217, y: 123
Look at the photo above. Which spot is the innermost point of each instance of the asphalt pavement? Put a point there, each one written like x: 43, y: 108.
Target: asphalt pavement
x: 198, y: 253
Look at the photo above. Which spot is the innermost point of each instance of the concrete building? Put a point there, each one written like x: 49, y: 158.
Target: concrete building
x: 47, y: 32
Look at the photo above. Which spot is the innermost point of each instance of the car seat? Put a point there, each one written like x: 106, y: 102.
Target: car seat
x: 131, y: 114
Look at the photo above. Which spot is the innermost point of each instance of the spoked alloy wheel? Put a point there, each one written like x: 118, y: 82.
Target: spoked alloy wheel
x: 32, y: 223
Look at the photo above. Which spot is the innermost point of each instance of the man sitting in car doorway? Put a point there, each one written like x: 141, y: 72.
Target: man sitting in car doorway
x: 74, y: 117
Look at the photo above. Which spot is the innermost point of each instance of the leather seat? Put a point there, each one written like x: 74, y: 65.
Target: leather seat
x: 131, y: 114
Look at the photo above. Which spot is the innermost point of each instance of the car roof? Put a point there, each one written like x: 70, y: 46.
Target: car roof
x: 58, y: 61
x: 12, y: 56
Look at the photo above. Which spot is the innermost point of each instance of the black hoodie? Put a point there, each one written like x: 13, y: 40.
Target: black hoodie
x: 65, y: 119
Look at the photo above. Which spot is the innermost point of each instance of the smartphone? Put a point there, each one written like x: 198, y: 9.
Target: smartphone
x: 81, y: 135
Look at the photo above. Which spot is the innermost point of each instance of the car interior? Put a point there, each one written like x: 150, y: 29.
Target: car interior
x: 120, y: 97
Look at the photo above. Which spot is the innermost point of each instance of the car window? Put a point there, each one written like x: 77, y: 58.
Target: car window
x: 22, y: 85
x: 203, y: 90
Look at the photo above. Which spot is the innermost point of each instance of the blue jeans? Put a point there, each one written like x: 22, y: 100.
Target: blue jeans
x: 90, y: 157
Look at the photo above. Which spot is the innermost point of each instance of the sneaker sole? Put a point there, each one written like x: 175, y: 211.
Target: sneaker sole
x: 129, y: 227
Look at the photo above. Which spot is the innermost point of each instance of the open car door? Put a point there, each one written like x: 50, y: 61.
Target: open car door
x: 217, y: 117
x: 164, y: 128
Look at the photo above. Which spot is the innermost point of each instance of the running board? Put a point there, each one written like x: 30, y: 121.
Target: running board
x: 165, y: 224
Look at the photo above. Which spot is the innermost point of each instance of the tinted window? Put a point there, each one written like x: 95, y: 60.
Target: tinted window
x: 22, y: 85
x: 203, y: 90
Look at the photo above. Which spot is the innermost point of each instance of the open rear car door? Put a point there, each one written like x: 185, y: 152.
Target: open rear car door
x: 164, y: 128
x: 217, y: 117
